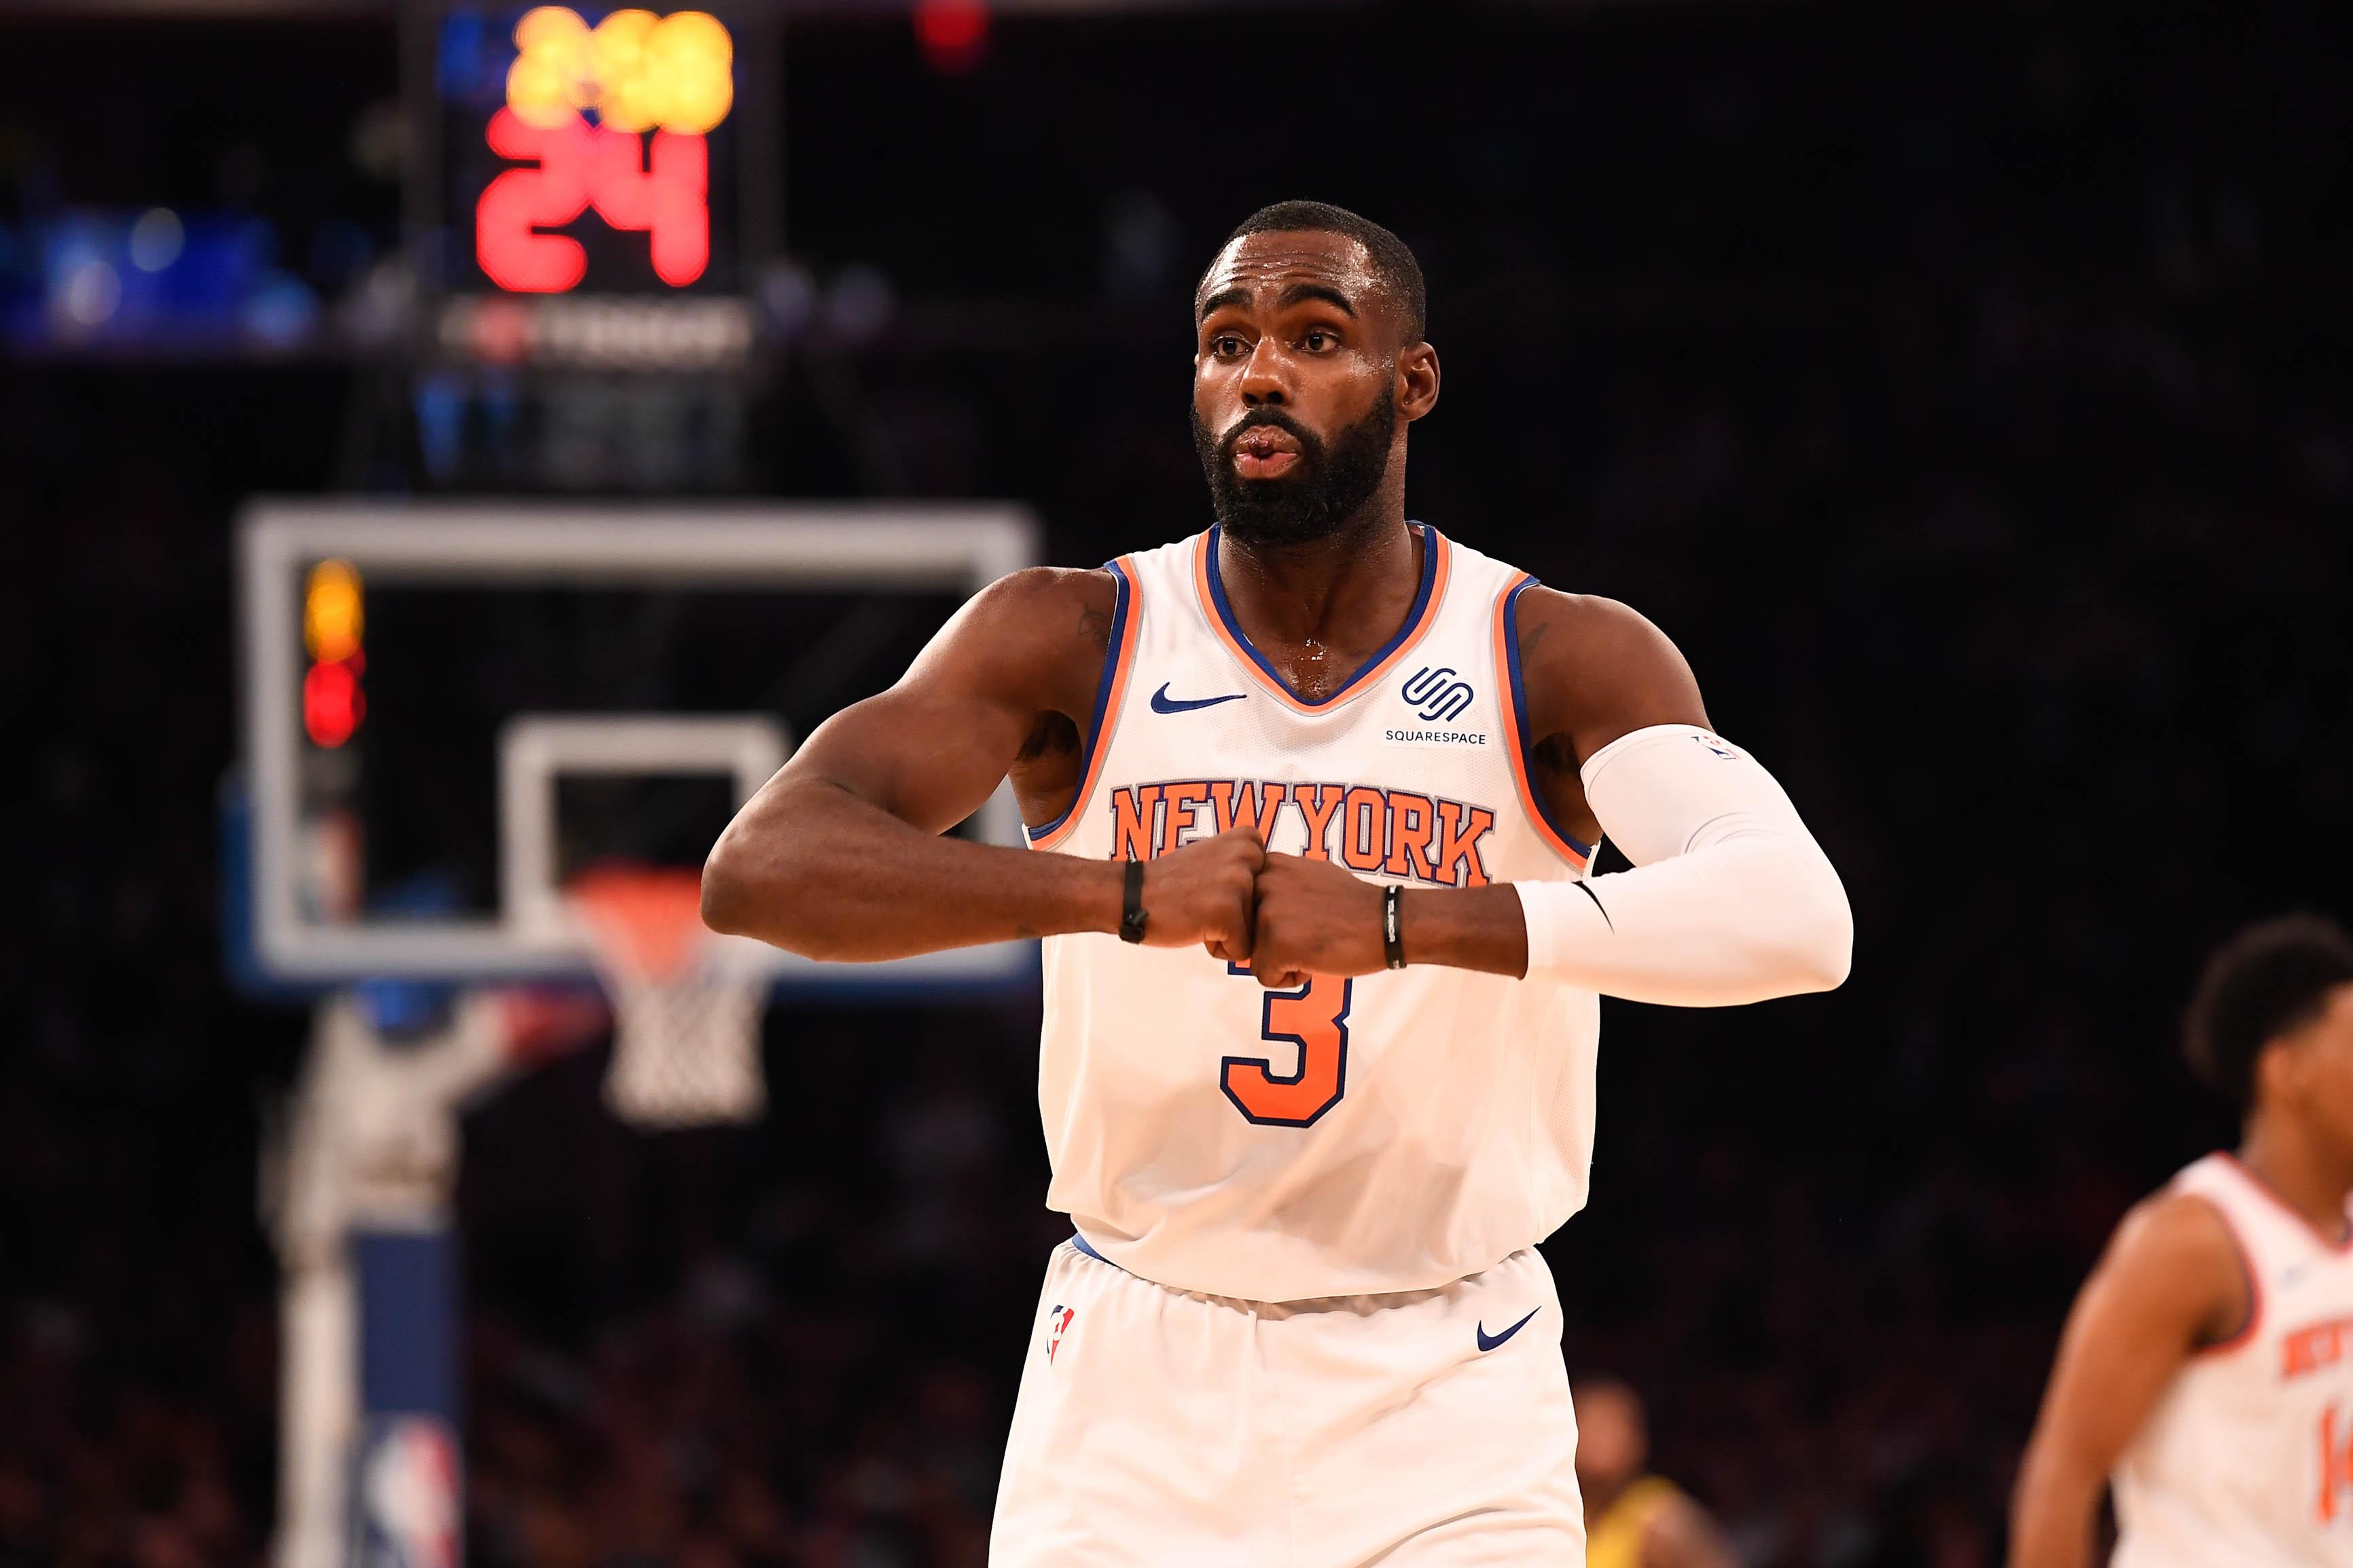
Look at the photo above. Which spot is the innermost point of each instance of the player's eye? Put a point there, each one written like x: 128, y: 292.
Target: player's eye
x: 1225, y: 345
x: 1317, y: 341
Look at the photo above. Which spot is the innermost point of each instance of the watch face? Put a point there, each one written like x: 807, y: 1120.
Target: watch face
x: 589, y: 154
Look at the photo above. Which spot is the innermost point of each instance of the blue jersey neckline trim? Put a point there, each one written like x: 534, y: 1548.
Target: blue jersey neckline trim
x: 1412, y: 624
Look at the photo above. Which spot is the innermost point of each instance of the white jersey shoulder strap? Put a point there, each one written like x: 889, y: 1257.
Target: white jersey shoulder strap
x: 2272, y: 1234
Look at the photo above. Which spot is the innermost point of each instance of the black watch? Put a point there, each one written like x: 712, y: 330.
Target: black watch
x: 1132, y: 912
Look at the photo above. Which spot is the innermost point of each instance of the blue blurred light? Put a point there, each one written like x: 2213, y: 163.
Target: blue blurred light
x: 403, y: 1009
x: 282, y: 312
x: 152, y: 279
x: 440, y: 424
x: 156, y: 239
x: 468, y: 66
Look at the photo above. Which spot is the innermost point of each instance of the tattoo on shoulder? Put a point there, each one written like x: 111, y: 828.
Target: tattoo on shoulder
x: 1095, y: 626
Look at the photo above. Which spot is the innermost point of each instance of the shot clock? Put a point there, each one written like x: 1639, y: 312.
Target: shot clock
x: 592, y: 201
x: 587, y: 153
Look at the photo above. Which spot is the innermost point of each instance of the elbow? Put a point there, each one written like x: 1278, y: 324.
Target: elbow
x: 725, y: 899
x: 740, y: 889
x: 1824, y: 955
x: 1813, y: 944
x: 748, y: 891
x: 1796, y: 926
x: 1827, y: 963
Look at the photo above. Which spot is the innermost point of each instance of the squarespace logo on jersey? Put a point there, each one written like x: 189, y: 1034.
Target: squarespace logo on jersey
x: 1397, y: 833
x: 1438, y: 697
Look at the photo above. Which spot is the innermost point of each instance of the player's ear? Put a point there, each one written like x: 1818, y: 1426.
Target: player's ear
x: 1417, y: 379
x: 2279, y: 1071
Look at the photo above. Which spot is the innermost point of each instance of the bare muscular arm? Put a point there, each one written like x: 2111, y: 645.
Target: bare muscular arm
x: 2172, y: 1280
x: 1594, y: 670
x: 840, y: 855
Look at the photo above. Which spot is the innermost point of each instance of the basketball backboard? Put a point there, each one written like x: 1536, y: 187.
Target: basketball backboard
x: 480, y: 698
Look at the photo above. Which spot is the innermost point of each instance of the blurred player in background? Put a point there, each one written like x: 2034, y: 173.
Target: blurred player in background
x: 1335, y: 782
x: 2207, y: 1365
x: 1634, y: 1520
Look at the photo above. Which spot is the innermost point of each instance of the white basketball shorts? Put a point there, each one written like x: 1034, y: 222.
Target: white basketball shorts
x: 1428, y: 1429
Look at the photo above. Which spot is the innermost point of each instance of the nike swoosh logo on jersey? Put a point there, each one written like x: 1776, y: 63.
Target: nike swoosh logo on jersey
x: 1489, y: 1341
x: 1164, y: 703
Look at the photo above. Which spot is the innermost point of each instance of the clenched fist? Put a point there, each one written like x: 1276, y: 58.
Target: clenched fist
x: 1202, y: 893
x: 1313, y: 918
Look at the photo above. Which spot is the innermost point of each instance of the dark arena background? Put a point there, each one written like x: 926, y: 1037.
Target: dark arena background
x: 1966, y: 388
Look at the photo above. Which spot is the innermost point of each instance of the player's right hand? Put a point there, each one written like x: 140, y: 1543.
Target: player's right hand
x: 1204, y: 893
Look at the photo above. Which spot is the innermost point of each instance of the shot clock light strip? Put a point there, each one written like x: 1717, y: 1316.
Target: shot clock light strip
x: 333, y: 616
x: 635, y: 71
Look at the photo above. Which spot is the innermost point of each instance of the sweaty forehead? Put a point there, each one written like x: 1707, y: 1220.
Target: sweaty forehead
x: 1266, y: 265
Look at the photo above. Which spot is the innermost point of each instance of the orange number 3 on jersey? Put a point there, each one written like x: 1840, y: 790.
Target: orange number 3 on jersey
x: 1314, y: 1019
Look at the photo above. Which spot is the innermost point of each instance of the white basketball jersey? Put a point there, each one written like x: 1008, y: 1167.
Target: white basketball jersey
x: 2247, y: 1459
x: 1394, y: 1132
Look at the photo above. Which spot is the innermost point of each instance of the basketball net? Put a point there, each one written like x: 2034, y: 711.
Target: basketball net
x: 686, y: 1022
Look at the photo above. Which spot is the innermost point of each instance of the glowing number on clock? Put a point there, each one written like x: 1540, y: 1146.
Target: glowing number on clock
x: 579, y: 166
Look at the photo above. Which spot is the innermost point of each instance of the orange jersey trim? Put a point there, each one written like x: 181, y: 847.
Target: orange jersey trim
x: 1516, y: 727
x: 1255, y: 666
x: 1118, y: 660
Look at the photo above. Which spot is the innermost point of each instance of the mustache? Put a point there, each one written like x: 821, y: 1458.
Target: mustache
x: 1310, y: 446
x: 1330, y: 484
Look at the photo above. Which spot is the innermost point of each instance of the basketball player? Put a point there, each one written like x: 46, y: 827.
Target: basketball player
x: 1315, y: 791
x: 2207, y: 1369
x: 1634, y: 1520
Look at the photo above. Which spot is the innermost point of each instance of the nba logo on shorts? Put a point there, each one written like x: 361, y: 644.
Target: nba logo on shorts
x: 408, y: 1502
x: 1058, y: 1322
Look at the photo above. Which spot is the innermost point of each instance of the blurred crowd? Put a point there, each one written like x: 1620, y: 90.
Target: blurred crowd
x: 1964, y: 392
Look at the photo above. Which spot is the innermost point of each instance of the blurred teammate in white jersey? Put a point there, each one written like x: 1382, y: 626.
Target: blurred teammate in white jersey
x: 1316, y: 791
x: 2207, y: 1370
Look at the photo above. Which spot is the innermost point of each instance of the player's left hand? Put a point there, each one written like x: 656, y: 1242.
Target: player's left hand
x: 1313, y: 918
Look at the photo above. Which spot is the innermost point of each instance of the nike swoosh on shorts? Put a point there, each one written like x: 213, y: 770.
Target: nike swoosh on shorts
x: 1489, y: 1341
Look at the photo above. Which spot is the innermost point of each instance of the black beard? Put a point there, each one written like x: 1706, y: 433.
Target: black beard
x: 1323, y: 492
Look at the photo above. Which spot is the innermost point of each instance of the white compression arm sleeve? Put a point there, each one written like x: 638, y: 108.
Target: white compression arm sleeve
x: 1730, y: 901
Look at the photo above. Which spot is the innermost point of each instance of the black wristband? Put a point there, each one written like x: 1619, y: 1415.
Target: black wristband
x: 1132, y: 914
x: 1392, y: 928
